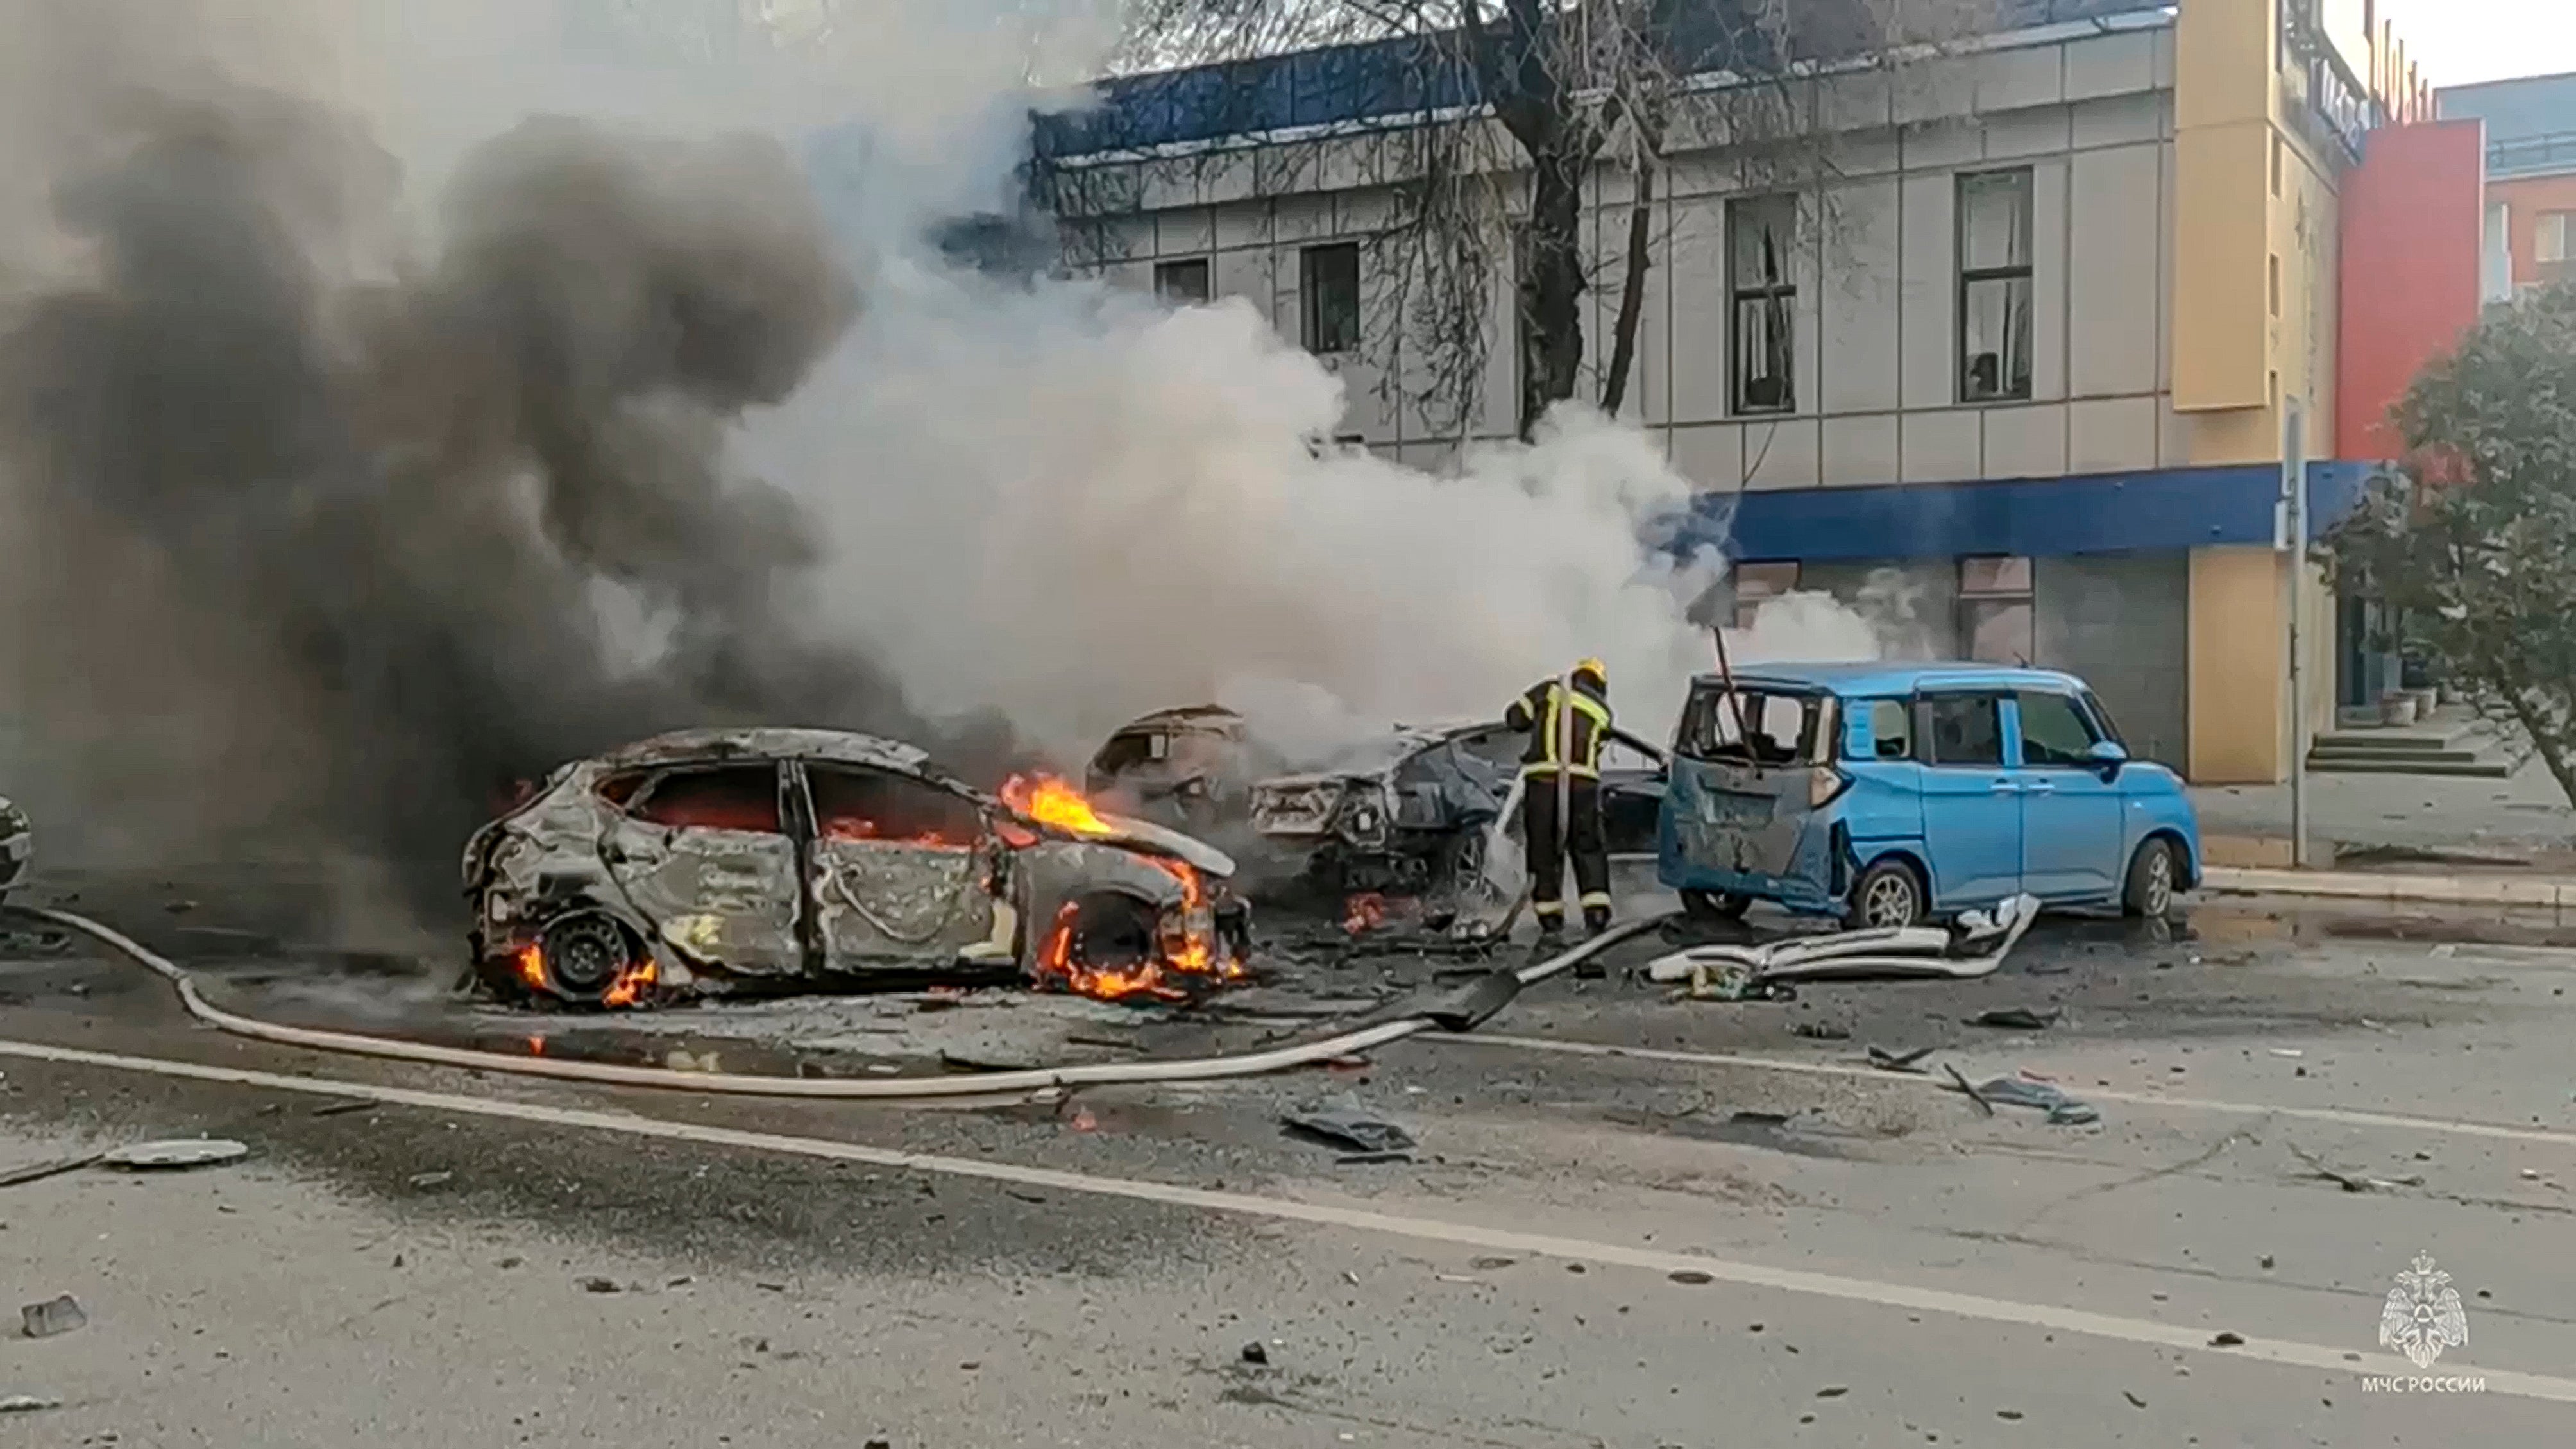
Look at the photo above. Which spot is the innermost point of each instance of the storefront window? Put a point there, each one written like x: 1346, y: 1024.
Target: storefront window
x: 1996, y: 619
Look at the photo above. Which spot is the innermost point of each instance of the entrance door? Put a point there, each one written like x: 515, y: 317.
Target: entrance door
x: 2070, y: 813
x: 1971, y: 802
x: 702, y: 853
x: 898, y: 869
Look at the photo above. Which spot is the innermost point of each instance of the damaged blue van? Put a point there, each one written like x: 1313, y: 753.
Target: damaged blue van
x: 1888, y: 794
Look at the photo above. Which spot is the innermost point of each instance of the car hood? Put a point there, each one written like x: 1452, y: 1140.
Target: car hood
x: 1161, y: 840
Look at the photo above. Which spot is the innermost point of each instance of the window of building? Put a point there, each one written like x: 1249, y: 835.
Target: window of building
x: 1182, y: 283
x: 1760, y: 232
x: 1329, y: 284
x: 2549, y: 236
x: 1960, y: 729
x: 1994, y: 286
x: 2053, y: 732
x: 1995, y: 610
x: 2272, y: 282
x: 1758, y: 583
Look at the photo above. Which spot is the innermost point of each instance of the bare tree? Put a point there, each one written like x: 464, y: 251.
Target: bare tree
x: 1497, y: 119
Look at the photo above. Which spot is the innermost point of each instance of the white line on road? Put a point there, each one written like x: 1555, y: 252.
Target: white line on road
x: 1754, y: 1275
x: 2344, y: 1116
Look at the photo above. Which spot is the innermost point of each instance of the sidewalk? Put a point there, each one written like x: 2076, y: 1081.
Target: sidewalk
x: 2398, y: 837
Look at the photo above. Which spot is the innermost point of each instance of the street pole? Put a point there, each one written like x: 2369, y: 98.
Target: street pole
x: 2294, y: 484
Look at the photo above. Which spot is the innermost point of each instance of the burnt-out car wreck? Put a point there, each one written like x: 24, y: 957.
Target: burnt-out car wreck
x: 766, y: 860
x: 1418, y: 811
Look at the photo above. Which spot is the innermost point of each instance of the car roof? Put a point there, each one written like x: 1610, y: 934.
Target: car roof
x: 1895, y: 676
x: 1193, y: 716
x: 846, y: 747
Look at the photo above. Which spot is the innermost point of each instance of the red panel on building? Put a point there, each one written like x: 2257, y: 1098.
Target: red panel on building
x: 2413, y: 211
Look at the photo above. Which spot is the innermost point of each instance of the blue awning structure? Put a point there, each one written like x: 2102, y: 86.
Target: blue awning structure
x: 2163, y: 511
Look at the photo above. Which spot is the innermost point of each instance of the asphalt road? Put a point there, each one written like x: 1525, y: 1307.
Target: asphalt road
x: 1628, y: 1221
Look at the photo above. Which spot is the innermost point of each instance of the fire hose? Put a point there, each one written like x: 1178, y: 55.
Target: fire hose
x: 1459, y: 1011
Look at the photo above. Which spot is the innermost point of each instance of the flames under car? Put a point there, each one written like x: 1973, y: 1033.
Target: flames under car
x: 764, y: 860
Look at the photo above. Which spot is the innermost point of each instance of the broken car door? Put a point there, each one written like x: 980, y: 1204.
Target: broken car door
x: 1632, y: 793
x: 1742, y: 792
x: 701, y: 853
x: 2070, y: 802
x: 899, y: 869
x: 1971, y: 801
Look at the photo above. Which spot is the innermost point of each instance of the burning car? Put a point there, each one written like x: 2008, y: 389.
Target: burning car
x: 751, y: 860
x: 1187, y: 768
x: 17, y: 846
x: 1413, y: 811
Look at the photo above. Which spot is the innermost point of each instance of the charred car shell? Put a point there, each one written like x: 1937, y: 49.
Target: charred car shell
x: 17, y: 846
x: 1191, y: 767
x: 714, y: 861
x: 1414, y: 811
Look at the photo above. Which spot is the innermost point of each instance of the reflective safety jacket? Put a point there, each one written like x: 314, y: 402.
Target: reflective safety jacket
x: 1562, y: 737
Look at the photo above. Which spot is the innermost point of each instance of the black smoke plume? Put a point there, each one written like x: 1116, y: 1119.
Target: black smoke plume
x: 309, y: 549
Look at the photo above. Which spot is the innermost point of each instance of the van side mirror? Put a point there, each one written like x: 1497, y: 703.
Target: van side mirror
x: 2108, y: 756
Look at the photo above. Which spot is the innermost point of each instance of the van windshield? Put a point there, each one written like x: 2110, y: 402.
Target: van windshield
x: 1756, y: 725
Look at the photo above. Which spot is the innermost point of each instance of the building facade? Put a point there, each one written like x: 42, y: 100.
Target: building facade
x: 2530, y: 126
x: 2016, y: 362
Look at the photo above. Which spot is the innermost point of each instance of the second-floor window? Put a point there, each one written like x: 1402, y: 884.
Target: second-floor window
x: 1760, y: 232
x: 1182, y: 283
x: 1994, y: 286
x: 2549, y: 237
x: 1329, y: 284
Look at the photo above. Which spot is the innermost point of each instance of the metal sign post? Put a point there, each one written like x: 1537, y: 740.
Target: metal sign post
x: 2294, y: 488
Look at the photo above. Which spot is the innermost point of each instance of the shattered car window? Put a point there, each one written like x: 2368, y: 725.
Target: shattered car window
x: 868, y: 805
x: 1754, y: 726
x: 730, y: 797
x: 619, y: 788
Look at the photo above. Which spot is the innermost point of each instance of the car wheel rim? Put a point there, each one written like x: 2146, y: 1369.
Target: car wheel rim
x: 1890, y: 902
x: 2159, y: 883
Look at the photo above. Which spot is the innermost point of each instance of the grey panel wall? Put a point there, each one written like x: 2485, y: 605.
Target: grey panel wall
x: 2122, y: 622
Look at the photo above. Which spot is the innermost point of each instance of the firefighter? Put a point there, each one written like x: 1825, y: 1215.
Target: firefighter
x: 1562, y: 768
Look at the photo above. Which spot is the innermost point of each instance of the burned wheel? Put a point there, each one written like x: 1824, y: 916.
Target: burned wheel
x: 1887, y: 894
x: 585, y: 953
x: 1715, y: 905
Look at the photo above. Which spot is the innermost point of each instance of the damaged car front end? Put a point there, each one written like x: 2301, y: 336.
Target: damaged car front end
x: 758, y: 861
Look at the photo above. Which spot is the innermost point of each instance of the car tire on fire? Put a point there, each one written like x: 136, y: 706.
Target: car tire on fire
x: 585, y: 953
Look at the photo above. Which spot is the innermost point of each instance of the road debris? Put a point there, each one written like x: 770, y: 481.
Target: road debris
x: 1907, y: 1059
x: 53, y: 1167
x: 2062, y: 1110
x: 2349, y: 1181
x: 176, y: 1153
x: 1691, y: 1276
x: 27, y: 1404
x: 2287, y: 1052
x: 1971, y: 946
x: 600, y: 1285
x: 1820, y: 1031
x: 2134, y: 1401
x: 1351, y: 1127
x: 53, y: 1317
x: 2227, y: 1340
x: 1254, y: 1353
x: 431, y: 1179
x: 1982, y: 1104
x: 343, y: 1109
x: 2016, y: 1018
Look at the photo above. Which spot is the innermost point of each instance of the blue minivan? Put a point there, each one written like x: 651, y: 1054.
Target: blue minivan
x: 1891, y: 793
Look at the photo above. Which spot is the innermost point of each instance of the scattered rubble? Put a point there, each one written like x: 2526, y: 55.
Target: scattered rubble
x: 176, y: 1153
x: 1255, y: 1354
x: 27, y: 1404
x: 1908, y: 1059
x: 1972, y: 946
x: 1350, y: 1127
x: 53, y: 1317
x: 2062, y: 1110
x: 2349, y: 1181
x: 53, y: 1167
x: 2016, y: 1018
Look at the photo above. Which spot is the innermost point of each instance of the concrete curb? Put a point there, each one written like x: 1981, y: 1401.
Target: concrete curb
x: 2549, y: 892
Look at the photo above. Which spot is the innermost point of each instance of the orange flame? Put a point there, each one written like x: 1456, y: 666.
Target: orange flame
x: 1363, y: 912
x: 631, y: 982
x: 1102, y: 983
x: 532, y: 967
x: 1051, y: 801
